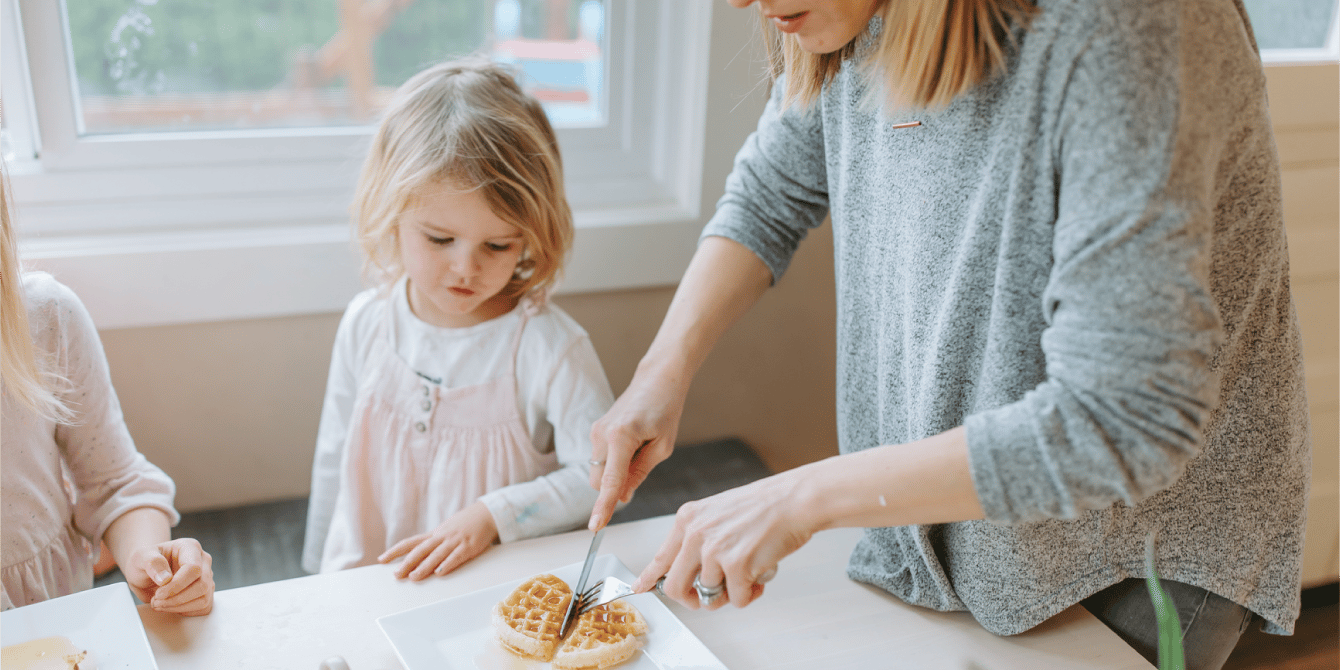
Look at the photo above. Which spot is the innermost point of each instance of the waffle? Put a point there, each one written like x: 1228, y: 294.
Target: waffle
x: 528, y: 619
x: 604, y: 636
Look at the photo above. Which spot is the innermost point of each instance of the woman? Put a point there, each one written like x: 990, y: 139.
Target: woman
x: 1064, y: 319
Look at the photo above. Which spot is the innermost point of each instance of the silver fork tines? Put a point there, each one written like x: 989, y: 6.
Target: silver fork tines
x: 604, y: 591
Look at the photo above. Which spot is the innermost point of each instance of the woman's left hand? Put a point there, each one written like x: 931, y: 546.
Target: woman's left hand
x: 175, y: 576
x: 463, y: 536
x: 731, y: 539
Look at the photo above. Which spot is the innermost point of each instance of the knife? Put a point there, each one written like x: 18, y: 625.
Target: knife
x: 581, y: 582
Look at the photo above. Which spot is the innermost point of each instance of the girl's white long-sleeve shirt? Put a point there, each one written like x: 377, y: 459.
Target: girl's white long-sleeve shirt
x: 561, y: 390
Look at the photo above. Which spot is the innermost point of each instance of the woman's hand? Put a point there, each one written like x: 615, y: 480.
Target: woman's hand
x: 175, y: 576
x: 735, y: 538
x: 635, y: 435
x: 732, y: 538
x: 460, y: 538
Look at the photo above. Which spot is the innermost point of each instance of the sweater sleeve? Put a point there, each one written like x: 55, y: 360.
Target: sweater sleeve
x: 577, y: 394
x: 346, y: 359
x: 110, y: 476
x: 1132, y: 326
x: 778, y: 189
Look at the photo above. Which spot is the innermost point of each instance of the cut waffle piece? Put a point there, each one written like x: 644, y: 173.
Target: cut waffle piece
x: 605, y: 636
x: 527, y: 620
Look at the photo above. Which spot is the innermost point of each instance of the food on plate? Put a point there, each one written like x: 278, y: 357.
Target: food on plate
x: 528, y: 619
x: 48, y: 653
x: 605, y: 636
x: 527, y: 622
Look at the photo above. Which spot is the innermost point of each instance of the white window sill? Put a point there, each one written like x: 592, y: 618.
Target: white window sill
x: 131, y: 281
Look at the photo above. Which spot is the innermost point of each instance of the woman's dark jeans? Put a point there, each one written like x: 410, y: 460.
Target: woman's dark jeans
x: 1211, y: 625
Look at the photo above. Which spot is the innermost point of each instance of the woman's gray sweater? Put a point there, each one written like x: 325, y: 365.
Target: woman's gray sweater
x: 1084, y: 262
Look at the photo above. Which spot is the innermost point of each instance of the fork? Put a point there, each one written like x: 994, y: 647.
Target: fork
x: 610, y: 589
x: 606, y: 591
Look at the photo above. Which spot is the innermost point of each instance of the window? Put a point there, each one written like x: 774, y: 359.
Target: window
x: 145, y: 65
x: 170, y: 145
x: 1295, y: 30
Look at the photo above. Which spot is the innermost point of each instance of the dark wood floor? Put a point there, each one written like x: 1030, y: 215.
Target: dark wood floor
x: 263, y: 542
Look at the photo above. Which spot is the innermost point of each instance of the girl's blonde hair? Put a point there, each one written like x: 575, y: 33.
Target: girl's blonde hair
x: 467, y: 123
x: 23, y: 374
x: 928, y: 51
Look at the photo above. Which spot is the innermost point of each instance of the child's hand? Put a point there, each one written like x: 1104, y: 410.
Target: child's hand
x: 175, y: 576
x: 460, y: 538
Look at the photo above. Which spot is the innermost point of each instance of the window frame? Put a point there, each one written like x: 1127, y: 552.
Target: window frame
x: 1330, y: 53
x: 170, y: 214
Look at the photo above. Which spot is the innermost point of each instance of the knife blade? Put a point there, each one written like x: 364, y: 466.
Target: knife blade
x: 581, y: 582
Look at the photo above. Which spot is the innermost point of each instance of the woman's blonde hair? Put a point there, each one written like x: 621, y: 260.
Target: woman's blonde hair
x: 469, y: 124
x: 23, y: 374
x: 928, y: 51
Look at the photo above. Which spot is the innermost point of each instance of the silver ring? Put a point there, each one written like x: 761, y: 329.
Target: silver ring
x: 708, y: 595
x: 594, y: 462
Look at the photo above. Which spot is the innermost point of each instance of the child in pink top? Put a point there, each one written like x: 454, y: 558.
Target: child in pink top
x: 62, y: 428
x: 459, y: 405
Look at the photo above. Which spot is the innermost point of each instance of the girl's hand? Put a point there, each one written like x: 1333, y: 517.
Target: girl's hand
x: 635, y: 435
x: 175, y: 576
x: 460, y: 538
x: 732, y: 538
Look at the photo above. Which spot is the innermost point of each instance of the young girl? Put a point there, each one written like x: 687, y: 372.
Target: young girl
x: 62, y: 424
x: 459, y: 405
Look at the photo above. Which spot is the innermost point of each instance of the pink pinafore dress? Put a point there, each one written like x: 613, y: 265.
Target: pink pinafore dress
x: 418, y: 453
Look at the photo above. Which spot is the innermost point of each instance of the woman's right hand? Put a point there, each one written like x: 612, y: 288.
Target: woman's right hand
x: 635, y: 435
x: 723, y: 279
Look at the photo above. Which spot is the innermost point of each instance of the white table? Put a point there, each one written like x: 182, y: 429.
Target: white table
x: 812, y: 616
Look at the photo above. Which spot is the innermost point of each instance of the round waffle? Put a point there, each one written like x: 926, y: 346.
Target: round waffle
x: 528, y: 619
x: 604, y: 636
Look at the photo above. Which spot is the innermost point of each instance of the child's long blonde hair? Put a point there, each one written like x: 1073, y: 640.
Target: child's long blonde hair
x: 929, y: 51
x: 468, y: 123
x: 23, y: 374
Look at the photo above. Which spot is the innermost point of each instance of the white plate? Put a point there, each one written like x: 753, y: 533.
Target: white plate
x: 102, y: 621
x: 456, y: 633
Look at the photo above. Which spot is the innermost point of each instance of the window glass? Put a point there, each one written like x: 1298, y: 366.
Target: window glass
x: 1291, y: 24
x: 159, y: 65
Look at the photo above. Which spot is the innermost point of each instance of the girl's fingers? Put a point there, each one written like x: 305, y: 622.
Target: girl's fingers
x: 193, y: 591
x: 462, y: 553
x: 433, y: 560
x: 186, y: 575
x: 197, y: 607
x: 145, y: 595
x: 401, y: 548
x: 158, y: 568
x: 415, y: 556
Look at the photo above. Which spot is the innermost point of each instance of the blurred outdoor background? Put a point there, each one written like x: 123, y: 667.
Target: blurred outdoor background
x: 162, y: 65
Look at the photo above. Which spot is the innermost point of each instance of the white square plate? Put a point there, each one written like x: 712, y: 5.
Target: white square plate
x: 102, y: 621
x: 456, y: 633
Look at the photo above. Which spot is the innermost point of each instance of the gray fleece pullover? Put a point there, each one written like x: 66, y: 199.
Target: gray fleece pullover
x: 1084, y: 262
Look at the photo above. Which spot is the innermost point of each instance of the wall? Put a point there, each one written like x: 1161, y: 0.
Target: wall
x: 1304, y: 110
x: 230, y: 409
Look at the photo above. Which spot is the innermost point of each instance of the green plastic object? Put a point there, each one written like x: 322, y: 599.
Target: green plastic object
x: 1171, y: 656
